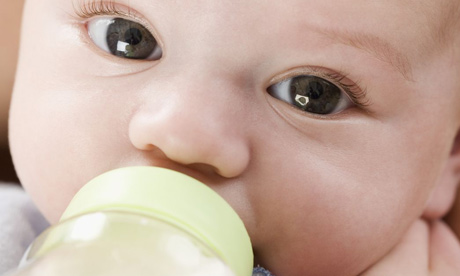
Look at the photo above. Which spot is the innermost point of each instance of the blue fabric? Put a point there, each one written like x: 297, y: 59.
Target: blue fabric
x: 20, y: 223
x: 260, y: 271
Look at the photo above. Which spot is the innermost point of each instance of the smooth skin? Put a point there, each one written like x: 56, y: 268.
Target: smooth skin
x: 352, y: 193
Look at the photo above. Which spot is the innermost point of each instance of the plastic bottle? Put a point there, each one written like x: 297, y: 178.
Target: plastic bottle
x: 143, y: 221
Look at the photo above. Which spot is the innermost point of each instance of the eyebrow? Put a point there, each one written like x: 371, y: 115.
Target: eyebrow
x: 376, y: 46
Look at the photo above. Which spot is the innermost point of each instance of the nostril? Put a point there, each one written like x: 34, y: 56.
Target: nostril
x: 149, y: 147
x: 456, y: 145
x: 215, y: 146
x: 204, y: 168
x: 150, y: 151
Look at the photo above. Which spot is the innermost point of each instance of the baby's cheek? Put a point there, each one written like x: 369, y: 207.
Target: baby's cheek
x: 61, y: 140
x: 336, y: 234
x: 336, y: 212
x: 42, y: 154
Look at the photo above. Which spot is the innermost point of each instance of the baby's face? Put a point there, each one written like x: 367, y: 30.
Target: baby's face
x: 324, y: 124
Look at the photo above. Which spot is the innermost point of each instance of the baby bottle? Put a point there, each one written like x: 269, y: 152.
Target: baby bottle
x: 143, y: 221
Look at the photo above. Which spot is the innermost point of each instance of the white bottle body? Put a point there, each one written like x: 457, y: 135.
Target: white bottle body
x: 120, y: 243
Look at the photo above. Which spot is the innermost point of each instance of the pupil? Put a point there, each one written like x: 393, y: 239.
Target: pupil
x: 315, y: 90
x: 133, y: 36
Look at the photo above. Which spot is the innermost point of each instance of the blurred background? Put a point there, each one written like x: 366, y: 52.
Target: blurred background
x: 10, y: 19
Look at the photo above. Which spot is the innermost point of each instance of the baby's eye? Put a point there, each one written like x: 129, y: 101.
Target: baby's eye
x: 124, y: 38
x: 311, y: 94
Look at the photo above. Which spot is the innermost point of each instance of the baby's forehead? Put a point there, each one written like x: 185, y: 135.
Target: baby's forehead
x: 442, y: 19
x: 417, y: 27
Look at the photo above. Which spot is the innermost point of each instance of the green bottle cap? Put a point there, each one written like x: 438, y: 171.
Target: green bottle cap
x: 173, y: 197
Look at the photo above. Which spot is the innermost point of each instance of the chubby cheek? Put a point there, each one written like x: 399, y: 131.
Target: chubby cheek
x: 337, y: 207
x: 63, y: 139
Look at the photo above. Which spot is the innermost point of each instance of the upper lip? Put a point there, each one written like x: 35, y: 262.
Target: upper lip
x: 203, y: 173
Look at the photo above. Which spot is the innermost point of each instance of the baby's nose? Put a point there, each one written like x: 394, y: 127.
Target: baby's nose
x: 194, y: 124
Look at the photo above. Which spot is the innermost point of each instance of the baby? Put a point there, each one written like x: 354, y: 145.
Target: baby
x: 331, y: 127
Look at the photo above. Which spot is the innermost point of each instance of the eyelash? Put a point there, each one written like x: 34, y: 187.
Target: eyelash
x: 90, y: 8
x: 355, y: 92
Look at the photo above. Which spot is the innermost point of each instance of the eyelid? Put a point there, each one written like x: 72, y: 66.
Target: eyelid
x: 354, y: 91
x: 87, y: 9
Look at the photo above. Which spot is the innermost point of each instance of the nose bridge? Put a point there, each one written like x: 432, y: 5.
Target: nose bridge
x: 205, y: 102
x: 197, y: 120
x: 215, y: 31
